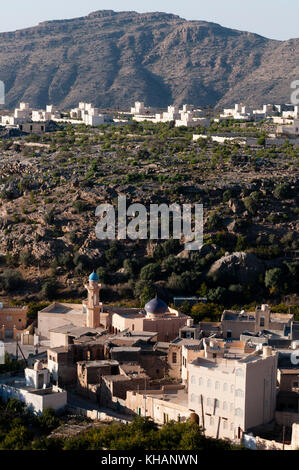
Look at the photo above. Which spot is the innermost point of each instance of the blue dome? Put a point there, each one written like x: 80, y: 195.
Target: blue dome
x: 93, y: 277
x: 156, y: 306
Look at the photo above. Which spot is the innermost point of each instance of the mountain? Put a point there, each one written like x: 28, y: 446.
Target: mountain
x: 113, y: 59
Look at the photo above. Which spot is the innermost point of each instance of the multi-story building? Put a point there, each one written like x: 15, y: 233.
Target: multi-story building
x: 232, y: 388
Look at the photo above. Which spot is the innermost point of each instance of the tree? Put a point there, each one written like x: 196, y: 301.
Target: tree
x: 150, y: 272
x: 11, y: 280
x: 214, y: 222
x: 283, y: 191
x: 273, y: 279
x: 261, y: 141
x: 49, y: 289
x: 48, y: 421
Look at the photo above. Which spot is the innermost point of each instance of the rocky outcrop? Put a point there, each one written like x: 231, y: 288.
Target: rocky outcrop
x: 237, y: 268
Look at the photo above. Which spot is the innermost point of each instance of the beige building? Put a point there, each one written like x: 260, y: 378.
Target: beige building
x: 165, y: 405
x: 234, y: 323
x: 12, y: 319
x: 156, y: 317
x: 232, y: 388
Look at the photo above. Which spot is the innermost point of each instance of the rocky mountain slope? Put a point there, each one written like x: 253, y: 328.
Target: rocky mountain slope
x: 114, y: 58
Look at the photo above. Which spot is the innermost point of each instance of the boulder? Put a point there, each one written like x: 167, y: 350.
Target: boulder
x: 237, y: 268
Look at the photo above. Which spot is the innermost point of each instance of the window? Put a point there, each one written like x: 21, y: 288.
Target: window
x: 240, y: 373
x: 231, y: 407
x: 295, y: 384
x: 174, y: 358
x: 225, y: 387
x: 224, y: 405
x: 217, y: 385
x: 192, y: 397
x: 238, y: 412
x: 224, y: 424
x: 200, y: 381
x: 232, y: 389
x: 209, y: 402
x: 262, y: 321
x: 209, y: 383
x: 193, y: 381
x: 211, y: 421
x: 217, y: 403
x: 239, y: 393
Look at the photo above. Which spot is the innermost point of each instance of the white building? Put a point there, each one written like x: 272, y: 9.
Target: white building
x: 291, y: 114
x: 23, y: 112
x: 231, y: 388
x: 291, y: 130
x: 35, y: 390
x: 239, y: 112
x: 268, y: 110
x: 89, y: 115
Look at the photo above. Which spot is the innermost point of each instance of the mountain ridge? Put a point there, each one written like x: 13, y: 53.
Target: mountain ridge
x: 114, y: 58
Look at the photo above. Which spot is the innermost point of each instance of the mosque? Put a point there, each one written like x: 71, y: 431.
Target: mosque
x: 155, y: 317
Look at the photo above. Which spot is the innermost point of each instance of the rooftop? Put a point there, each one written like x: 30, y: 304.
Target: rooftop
x: 103, y: 363
x: 62, y: 309
x: 76, y: 331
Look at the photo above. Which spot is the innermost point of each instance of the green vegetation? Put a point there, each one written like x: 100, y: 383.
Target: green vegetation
x: 249, y: 196
x: 20, y: 429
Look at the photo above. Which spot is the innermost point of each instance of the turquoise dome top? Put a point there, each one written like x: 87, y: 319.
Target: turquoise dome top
x: 93, y: 277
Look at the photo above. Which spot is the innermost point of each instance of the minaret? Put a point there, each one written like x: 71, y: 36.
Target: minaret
x: 93, y: 305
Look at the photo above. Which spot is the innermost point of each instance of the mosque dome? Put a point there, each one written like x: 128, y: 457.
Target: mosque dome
x: 156, y: 307
x: 93, y: 277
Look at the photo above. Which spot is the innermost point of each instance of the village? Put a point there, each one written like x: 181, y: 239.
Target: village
x: 237, y: 378
x: 284, y: 117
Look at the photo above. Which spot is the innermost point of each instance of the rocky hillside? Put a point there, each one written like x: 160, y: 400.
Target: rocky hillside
x: 114, y: 58
x: 50, y: 186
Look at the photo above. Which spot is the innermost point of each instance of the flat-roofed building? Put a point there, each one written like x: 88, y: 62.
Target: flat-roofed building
x: 234, y: 323
x: 12, y: 318
x: 232, y: 387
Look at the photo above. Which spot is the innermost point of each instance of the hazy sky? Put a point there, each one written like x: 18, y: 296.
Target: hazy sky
x: 277, y: 19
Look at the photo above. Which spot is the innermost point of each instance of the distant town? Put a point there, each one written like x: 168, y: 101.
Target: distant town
x: 285, y: 118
